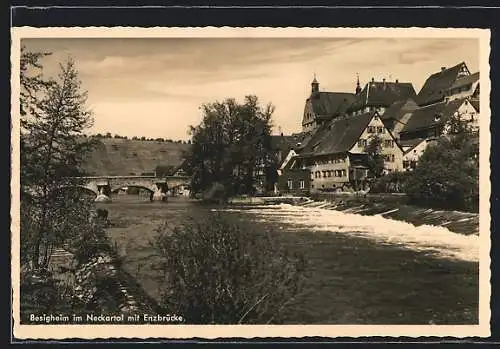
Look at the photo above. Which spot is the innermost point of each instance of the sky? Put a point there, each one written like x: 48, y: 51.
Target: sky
x: 153, y: 87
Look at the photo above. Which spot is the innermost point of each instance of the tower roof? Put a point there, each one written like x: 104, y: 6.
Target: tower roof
x: 314, y: 80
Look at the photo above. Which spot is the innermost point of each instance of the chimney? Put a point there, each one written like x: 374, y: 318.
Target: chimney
x: 397, y: 81
x: 373, y: 79
x: 281, y: 134
x: 443, y: 68
x: 383, y: 80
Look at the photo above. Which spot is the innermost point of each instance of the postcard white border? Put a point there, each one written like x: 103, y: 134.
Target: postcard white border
x: 258, y: 331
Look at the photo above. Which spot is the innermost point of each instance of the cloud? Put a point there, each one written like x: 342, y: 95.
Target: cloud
x: 153, y: 87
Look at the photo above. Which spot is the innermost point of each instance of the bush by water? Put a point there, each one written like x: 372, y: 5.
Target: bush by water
x: 216, y: 272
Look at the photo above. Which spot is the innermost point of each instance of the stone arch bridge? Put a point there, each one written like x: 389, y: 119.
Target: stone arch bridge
x: 157, y: 185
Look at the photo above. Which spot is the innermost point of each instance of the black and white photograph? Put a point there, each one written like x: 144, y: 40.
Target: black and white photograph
x: 261, y: 181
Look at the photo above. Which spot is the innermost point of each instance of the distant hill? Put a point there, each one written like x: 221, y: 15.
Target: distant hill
x: 122, y: 157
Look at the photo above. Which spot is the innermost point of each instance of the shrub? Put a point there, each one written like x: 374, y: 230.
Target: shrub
x: 447, y: 175
x: 216, y: 272
x: 41, y: 293
x: 395, y: 182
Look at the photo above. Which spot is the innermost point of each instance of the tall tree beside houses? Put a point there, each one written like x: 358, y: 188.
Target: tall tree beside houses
x: 447, y: 173
x: 230, y: 147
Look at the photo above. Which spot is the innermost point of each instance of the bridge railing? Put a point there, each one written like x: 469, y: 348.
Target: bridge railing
x: 131, y: 177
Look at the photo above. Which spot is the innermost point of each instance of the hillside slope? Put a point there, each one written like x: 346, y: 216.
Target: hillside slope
x: 122, y: 157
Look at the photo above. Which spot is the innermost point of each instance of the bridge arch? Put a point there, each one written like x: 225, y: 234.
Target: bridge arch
x: 116, y: 188
x: 85, y: 188
x: 146, y: 186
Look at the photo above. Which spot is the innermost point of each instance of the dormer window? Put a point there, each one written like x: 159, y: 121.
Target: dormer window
x: 437, y: 117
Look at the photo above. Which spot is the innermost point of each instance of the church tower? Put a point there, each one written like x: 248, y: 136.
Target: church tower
x: 358, y: 87
x: 314, y: 86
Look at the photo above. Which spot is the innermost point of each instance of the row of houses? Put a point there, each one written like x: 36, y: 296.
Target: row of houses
x: 330, y: 152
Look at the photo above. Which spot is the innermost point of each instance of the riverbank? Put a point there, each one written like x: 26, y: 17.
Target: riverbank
x: 391, y: 206
x: 95, y: 291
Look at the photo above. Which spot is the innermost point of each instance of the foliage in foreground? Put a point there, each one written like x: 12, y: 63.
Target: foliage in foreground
x: 216, y: 272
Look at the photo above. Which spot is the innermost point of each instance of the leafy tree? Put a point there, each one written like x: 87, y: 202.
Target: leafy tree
x: 52, y: 150
x: 231, y: 146
x: 447, y: 174
x: 375, y: 159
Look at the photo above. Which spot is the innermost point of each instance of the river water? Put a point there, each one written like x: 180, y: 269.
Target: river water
x: 362, y: 269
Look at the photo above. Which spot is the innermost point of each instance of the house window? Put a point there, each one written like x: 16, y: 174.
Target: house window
x: 290, y: 184
x: 389, y: 143
x: 406, y: 164
x: 380, y: 129
x: 393, y: 158
x: 302, y: 184
x: 362, y: 143
x: 371, y: 129
x: 344, y: 173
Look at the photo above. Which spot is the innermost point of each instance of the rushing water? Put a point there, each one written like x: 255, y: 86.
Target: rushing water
x: 438, y: 241
x: 362, y: 269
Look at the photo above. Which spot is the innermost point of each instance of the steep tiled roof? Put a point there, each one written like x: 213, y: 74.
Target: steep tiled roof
x: 465, y: 80
x: 432, y: 115
x: 331, y: 103
x: 337, y: 136
x: 283, y: 143
x: 436, y: 84
x: 411, y: 142
x: 383, y: 94
x: 398, y: 109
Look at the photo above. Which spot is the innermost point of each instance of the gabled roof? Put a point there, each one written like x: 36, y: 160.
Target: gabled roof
x: 437, y: 83
x: 432, y: 115
x: 411, y: 143
x: 337, y: 136
x: 398, y: 109
x: 290, y: 164
x: 330, y: 103
x: 382, y: 94
x: 282, y: 142
x: 475, y: 103
x: 465, y: 80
